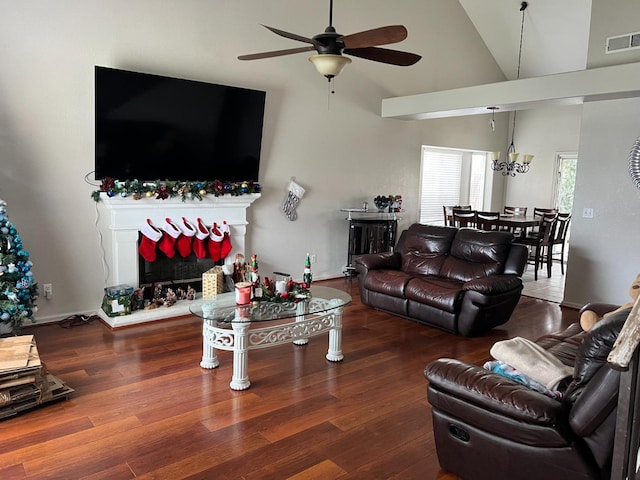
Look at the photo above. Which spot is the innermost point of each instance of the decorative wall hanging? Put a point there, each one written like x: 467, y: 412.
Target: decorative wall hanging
x: 634, y: 163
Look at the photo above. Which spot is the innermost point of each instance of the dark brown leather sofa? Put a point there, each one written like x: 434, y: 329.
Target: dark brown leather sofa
x: 489, y: 426
x: 464, y: 281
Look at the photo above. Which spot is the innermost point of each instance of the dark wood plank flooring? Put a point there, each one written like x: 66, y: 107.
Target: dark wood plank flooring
x: 143, y: 408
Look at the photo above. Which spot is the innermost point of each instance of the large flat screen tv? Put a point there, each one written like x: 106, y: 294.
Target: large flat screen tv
x: 151, y: 127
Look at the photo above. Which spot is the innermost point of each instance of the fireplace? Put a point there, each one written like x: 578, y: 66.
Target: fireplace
x: 119, y: 223
x: 177, y: 272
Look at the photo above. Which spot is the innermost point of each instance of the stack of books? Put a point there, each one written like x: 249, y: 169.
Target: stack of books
x: 24, y: 381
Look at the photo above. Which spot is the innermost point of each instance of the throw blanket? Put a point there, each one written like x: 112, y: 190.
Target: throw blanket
x: 532, y: 360
x: 509, y: 372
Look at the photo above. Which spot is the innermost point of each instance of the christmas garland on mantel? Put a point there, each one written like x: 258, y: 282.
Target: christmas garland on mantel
x: 163, y: 189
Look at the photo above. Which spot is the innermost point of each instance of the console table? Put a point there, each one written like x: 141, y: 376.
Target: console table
x: 240, y: 328
x: 369, y: 232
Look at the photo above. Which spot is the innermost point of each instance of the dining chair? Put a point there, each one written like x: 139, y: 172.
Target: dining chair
x: 518, y: 211
x: 515, y: 210
x: 447, y: 210
x: 541, y: 245
x: 539, y: 213
x: 464, y: 218
x: 487, y: 220
x: 560, y: 238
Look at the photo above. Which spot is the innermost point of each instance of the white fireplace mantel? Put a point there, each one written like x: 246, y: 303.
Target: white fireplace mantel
x: 121, y: 218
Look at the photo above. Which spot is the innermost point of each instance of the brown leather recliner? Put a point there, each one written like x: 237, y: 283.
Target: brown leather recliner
x: 464, y: 281
x: 489, y: 426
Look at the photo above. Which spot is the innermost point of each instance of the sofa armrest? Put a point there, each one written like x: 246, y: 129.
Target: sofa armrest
x: 494, y: 392
x: 494, y: 284
x: 377, y: 261
x: 598, y: 399
x: 517, y: 260
x: 599, y: 308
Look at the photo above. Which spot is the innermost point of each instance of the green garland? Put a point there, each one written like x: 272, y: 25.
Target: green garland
x: 296, y: 292
x: 163, y: 189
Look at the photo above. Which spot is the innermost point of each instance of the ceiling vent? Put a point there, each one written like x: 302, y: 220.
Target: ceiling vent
x: 621, y: 43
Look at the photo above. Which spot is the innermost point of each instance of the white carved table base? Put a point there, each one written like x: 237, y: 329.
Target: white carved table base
x: 241, y: 338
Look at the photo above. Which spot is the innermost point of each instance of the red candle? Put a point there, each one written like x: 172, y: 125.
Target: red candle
x: 243, y: 293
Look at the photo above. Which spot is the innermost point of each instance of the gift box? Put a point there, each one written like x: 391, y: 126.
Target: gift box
x: 117, y: 300
x: 212, y: 282
x: 118, y: 291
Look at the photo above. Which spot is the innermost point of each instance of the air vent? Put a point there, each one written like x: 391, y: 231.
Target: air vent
x: 621, y: 43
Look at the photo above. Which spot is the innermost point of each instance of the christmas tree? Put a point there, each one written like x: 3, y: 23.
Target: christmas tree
x: 18, y: 292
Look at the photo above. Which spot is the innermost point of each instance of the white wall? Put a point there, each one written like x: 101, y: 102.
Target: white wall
x: 604, y: 258
x: 542, y: 132
x: 339, y: 149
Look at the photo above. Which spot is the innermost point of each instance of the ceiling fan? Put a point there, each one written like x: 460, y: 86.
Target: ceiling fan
x: 330, y: 47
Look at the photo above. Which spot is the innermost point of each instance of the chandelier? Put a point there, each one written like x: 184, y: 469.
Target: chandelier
x: 511, y: 166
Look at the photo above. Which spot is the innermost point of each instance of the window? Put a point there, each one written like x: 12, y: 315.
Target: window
x: 566, y: 164
x: 450, y: 177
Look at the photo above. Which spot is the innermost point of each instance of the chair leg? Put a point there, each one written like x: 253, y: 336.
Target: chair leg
x: 536, y: 262
x: 562, y: 259
x: 549, y: 260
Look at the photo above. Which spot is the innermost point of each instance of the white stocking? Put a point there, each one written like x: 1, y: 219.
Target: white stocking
x: 294, y: 194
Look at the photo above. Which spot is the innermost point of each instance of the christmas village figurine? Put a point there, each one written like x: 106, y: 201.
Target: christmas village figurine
x: 306, y: 274
x: 239, y: 269
x: 137, y: 302
x: 170, y: 298
x: 256, y: 287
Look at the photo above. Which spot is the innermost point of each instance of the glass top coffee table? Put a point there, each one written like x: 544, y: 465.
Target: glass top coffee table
x: 240, y: 328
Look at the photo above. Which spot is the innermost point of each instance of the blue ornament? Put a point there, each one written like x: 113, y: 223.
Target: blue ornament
x: 124, y: 194
x: 5, y: 316
x: 4, y: 230
x: 227, y: 186
x: 111, y: 193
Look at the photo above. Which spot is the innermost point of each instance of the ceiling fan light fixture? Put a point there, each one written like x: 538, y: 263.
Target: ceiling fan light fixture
x: 329, y: 65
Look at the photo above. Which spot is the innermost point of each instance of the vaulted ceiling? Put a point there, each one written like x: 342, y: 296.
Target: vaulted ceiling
x: 555, y: 35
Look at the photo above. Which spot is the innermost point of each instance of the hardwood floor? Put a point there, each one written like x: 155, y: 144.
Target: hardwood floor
x: 143, y: 408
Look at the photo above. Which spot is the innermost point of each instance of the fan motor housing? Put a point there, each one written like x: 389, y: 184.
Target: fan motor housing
x: 329, y: 42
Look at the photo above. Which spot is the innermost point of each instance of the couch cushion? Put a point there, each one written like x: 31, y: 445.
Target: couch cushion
x: 476, y: 254
x: 389, y: 282
x: 423, y: 248
x: 438, y: 292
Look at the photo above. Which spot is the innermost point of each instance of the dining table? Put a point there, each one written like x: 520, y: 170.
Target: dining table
x: 521, y: 222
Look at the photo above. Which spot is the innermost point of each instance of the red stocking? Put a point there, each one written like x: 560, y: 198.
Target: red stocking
x: 226, y: 241
x: 199, y: 243
x: 150, y: 237
x: 171, y: 234
x: 215, y: 242
x: 183, y: 244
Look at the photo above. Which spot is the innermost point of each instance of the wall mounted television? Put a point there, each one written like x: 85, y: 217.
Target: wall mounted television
x: 151, y: 127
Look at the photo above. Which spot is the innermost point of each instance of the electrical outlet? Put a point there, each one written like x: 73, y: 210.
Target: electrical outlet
x: 48, y: 290
x: 314, y: 258
x: 587, y: 213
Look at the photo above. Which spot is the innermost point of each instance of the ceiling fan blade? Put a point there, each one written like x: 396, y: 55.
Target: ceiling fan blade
x: 292, y: 36
x: 376, y: 36
x: 384, y: 55
x: 275, y: 53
